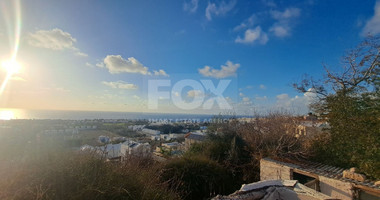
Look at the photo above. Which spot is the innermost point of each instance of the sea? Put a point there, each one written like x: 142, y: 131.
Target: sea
x: 10, y: 114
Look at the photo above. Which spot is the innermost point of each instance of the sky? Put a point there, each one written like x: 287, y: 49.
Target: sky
x: 191, y: 56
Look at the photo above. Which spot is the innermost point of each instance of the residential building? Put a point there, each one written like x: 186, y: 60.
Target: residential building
x: 120, y: 151
x: 104, y: 139
x: 150, y: 131
x: 332, y: 181
x: 136, y: 127
x: 169, y: 149
x: 192, y: 138
x: 131, y: 147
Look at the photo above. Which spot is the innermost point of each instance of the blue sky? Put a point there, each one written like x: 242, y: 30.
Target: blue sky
x: 99, y: 55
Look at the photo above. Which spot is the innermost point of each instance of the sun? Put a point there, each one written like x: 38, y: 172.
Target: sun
x: 6, y: 115
x: 11, y: 66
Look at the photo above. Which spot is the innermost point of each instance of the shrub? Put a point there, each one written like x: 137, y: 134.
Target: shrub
x: 197, y: 177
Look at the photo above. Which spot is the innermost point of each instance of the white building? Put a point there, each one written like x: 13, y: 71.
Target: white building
x: 155, y: 137
x: 120, y: 151
x: 131, y: 147
x: 150, y: 131
x: 136, y: 127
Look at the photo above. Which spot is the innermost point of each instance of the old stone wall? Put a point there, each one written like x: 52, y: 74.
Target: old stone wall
x: 274, y: 171
x: 335, y: 188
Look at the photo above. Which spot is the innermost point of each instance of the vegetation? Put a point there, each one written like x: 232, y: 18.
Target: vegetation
x: 173, y: 128
x: 120, y: 129
x: 350, y: 101
x: 229, y: 149
x: 44, y: 167
x: 238, y: 148
x: 197, y: 177
x: 39, y: 166
x: 80, y: 177
x: 167, y: 128
x: 34, y: 167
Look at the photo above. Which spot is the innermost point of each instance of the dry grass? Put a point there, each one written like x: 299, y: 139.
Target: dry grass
x: 33, y: 167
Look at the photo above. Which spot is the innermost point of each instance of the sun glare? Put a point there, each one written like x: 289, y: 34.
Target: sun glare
x: 6, y: 115
x: 12, y: 67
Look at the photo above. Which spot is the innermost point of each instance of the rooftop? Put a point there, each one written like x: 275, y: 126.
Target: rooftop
x: 193, y: 136
x: 323, y: 170
x: 274, y: 189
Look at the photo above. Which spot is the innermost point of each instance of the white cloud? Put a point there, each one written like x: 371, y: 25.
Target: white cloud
x: 241, y: 94
x: 285, y: 21
x: 54, y: 39
x: 136, y: 97
x: 246, y: 99
x: 264, y: 98
x: 286, y: 14
x: 78, y: 53
x: 310, y: 94
x: 160, y: 73
x: 372, y: 26
x: 226, y: 70
x: 191, y: 6
x: 89, y: 64
x: 100, y: 65
x: 253, y: 36
x: 222, y: 9
x: 281, y: 24
x: 120, y: 85
x: 280, y: 30
x: 263, y: 87
x: 252, y: 20
x: 297, y: 103
x: 195, y: 93
x: 282, y: 97
x: 116, y: 64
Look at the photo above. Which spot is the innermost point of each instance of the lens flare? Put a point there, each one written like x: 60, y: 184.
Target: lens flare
x: 11, y: 66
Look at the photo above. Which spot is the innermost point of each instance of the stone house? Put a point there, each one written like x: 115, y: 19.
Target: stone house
x: 335, y: 182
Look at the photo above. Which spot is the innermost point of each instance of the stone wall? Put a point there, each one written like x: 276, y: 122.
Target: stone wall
x: 335, y: 188
x: 274, y: 171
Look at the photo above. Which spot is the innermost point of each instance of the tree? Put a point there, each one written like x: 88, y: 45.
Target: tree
x: 273, y: 135
x: 350, y: 101
x: 225, y: 146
